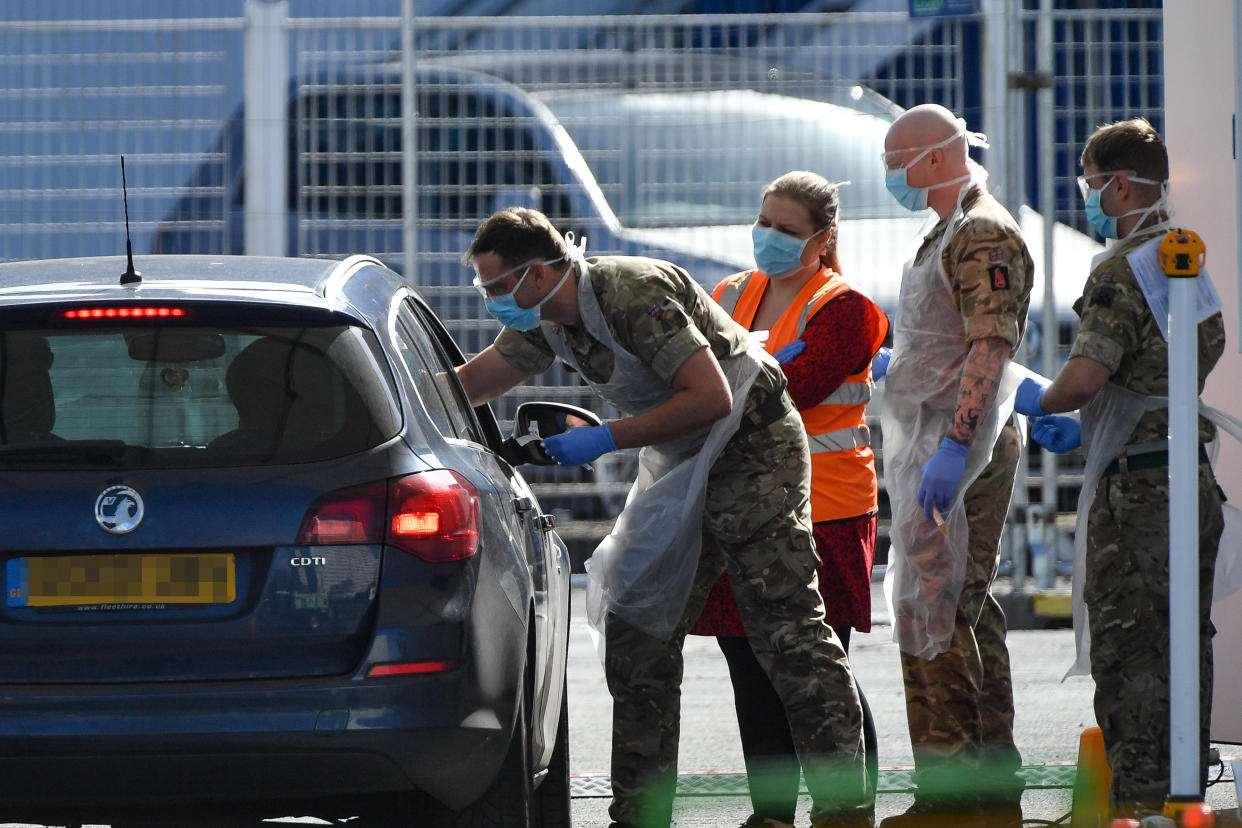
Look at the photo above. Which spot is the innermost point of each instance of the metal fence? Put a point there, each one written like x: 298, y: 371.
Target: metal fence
x: 647, y: 134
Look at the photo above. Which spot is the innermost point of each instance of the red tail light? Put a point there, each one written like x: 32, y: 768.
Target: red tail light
x: 354, y: 515
x: 434, y: 515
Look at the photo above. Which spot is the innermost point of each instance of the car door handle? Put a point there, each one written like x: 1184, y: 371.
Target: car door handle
x: 523, y: 504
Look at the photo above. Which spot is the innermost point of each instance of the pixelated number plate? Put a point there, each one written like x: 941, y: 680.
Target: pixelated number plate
x: 140, y: 580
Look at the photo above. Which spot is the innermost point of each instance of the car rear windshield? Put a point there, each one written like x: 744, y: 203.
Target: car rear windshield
x: 172, y: 393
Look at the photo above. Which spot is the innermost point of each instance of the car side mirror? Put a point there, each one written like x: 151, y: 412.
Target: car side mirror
x: 535, y: 421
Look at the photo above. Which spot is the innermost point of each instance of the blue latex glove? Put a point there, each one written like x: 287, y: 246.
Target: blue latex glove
x: 579, y: 446
x: 879, y: 364
x: 1026, y: 401
x: 941, y: 474
x: 788, y: 352
x: 1057, y: 433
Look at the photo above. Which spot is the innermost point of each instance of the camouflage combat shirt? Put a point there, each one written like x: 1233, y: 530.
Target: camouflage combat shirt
x: 656, y: 312
x: 990, y: 270
x: 1119, y: 331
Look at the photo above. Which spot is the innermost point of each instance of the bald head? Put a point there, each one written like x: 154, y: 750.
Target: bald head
x: 924, y: 126
x: 929, y: 142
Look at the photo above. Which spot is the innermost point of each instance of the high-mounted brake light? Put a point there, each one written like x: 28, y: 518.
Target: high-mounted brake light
x: 433, y: 514
x: 117, y: 312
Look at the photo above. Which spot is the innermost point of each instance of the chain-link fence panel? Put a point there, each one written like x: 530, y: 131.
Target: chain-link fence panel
x: 79, y: 94
x: 646, y: 134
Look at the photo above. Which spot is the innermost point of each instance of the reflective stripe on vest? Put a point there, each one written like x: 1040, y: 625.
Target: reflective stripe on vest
x: 843, y: 478
x: 849, y: 393
x: 736, y: 286
x: 844, y: 439
x: 733, y: 292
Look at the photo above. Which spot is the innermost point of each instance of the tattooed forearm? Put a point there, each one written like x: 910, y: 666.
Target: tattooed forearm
x: 980, y: 378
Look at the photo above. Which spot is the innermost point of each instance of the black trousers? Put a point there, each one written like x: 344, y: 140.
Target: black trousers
x: 772, y: 767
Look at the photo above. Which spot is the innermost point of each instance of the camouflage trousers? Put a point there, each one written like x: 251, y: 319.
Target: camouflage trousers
x: 1127, y: 595
x: 757, y: 526
x: 959, y: 705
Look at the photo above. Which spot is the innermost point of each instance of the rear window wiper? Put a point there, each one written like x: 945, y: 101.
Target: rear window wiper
x: 101, y: 452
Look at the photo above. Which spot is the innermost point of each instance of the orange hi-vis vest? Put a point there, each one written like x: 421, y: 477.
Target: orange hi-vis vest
x: 843, y: 481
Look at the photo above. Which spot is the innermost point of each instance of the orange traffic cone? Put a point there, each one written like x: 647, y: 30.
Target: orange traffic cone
x: 1090, y: 809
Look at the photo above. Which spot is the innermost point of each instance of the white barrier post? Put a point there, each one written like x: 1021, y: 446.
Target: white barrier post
x: 266, y: 128
x: 1185, y: 782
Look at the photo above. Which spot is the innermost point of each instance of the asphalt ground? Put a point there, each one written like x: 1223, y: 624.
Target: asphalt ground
x: 1050, y: 716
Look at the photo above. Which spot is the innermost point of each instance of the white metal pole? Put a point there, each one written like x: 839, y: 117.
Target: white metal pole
x: 999, y: 58
x: 1183, y: 538
x: 995, y: 92
x: 1045, y: 572
x: 266, y: 127
x: 409, y: 143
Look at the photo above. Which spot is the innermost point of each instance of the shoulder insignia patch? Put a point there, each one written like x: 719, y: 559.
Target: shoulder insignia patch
x: 657, y: 313
x: 996, y: 255
x: 1000, y: 276
x: 1101, y: 297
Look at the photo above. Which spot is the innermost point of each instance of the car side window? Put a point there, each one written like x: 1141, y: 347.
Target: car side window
x: 433, y: 378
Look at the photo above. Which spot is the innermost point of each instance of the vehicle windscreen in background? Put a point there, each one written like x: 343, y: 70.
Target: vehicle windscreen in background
x: 683, y: 159
x: 190, y: 395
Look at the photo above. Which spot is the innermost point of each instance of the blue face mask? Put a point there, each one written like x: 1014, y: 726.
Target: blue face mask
x: 912, y: 198
x: 897, y: 180
x: 505, y: 309
x: 898, y: 183
x: 778, y: 254
x: 1105, y: 225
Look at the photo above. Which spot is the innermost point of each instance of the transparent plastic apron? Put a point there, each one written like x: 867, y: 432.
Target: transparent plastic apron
x: 644, y: 568
x: 927, y: 568
x: 1108, y: 420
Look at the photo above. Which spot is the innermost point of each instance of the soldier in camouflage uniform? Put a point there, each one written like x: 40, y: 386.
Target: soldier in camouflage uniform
x: 1126, y: 586
x: 755, y: 524
x: 962, y: 316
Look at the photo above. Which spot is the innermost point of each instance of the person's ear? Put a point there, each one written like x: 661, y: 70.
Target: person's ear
x: 825, y: 240
x: 1124, y: 186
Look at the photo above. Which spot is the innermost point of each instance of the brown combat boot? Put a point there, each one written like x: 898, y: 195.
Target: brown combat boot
x: 755, y: 821
x: 1004, y: 817
x: 939, y: 815
x: 857, y: 819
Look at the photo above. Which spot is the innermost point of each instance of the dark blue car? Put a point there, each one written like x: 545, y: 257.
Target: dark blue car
x: 261, y: 556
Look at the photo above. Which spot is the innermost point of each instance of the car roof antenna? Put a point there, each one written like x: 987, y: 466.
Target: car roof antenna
x: 130, y: 276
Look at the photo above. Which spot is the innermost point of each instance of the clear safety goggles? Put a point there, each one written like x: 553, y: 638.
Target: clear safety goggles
x: 1084, y: 185
x: 483, y: 286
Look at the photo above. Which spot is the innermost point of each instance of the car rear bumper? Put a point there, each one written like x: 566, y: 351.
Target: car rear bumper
x: 98, y: 749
